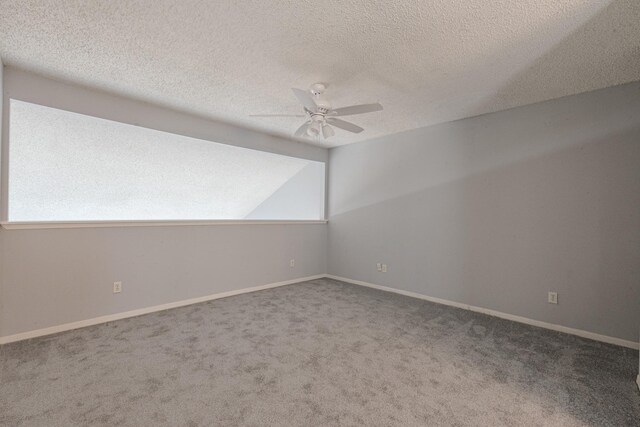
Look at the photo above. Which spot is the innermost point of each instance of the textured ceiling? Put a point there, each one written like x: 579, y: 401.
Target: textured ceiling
x: 426, y: 61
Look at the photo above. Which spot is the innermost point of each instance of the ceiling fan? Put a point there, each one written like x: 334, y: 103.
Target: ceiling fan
x: 320, y: 116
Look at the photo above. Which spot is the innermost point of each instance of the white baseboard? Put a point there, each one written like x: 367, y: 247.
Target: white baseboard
x: 140, y: 311
x: 520, y: 319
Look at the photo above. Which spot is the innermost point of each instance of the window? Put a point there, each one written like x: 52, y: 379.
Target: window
x: 66, y: 166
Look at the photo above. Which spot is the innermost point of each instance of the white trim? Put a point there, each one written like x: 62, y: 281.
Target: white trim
x: 638, y: 381
x: 140, y: 311
x: 520, y: 319
x: 24, y: 225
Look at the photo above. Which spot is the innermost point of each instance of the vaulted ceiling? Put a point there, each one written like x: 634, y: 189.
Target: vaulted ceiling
x: 426, y: 61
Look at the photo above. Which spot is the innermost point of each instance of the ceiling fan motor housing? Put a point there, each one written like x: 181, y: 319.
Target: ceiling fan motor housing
x: 323, y: 106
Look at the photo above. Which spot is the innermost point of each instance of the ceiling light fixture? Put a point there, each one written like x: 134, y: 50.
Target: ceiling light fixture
x: 314, y: 128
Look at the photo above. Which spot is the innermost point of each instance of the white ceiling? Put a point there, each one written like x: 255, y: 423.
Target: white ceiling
x: 426, y: 61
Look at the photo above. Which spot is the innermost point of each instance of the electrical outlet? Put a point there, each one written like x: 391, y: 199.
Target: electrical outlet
x: 292, y: 263
x: 117, y: 287
x: 379, y: 266
x: 553, y: 297
x: 384, y: 268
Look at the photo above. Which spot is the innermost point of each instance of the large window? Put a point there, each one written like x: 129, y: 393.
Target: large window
x: 65, y: 166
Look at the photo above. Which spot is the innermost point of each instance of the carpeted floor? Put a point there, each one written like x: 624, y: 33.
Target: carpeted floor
x: 317, y: 353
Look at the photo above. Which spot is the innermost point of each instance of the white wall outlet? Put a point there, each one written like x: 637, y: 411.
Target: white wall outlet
x: 117, y: 287
x: 384, y: 268
x: 379, y: 266
x: 553, y: 297
x: 292, y: 263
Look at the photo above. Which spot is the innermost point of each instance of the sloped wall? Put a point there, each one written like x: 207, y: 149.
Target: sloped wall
x: 301, y: 196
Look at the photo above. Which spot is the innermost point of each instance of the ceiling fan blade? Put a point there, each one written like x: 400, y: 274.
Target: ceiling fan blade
x: 305, y: 99
x: 356, y: 109
x: 276, y: 115
x: 302, y: 130
x: 327, y: 131
x: 344, y: 125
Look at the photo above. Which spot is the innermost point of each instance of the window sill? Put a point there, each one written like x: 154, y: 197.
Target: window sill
x: 16, y: 225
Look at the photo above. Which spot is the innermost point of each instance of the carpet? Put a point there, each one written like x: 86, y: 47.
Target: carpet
x: 317, y: 353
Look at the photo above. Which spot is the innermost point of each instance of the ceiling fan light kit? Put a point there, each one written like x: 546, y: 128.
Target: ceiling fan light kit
x: 314, y: 127
x: 321, y: 117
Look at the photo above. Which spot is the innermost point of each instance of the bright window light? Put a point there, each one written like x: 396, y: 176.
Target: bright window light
x: 66, y: 166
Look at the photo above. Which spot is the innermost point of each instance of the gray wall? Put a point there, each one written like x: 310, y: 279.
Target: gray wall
x: 55, y: 276
x: 298, y: 197
x: 51, y: 277
x: 497, y: 210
